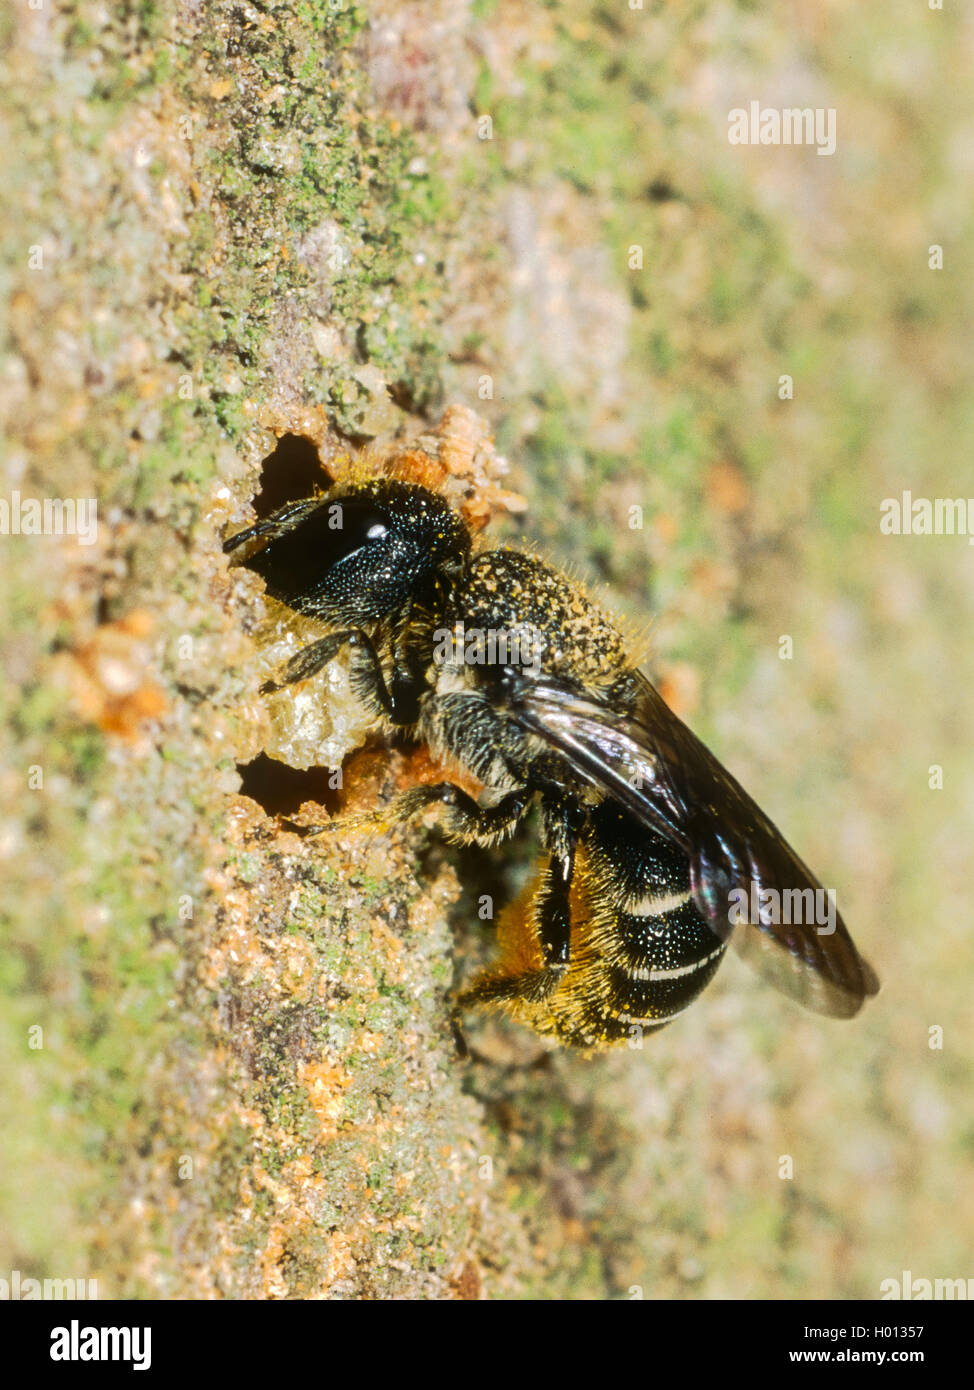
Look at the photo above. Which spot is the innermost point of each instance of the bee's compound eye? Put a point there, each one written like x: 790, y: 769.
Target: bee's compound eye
x: 298, y: 564
x: 353, y: 521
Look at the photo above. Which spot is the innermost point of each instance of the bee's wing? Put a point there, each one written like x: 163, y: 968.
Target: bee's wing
x: 652, y: 764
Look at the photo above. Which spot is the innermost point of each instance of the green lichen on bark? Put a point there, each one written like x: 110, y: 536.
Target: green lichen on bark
x: 226, y: 226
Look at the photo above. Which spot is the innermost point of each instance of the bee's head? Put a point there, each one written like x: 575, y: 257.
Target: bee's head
x: 361, y: 552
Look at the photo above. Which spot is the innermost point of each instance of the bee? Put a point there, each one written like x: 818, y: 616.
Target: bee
x: 654, y: 855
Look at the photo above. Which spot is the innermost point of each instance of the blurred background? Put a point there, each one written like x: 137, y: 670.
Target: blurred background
x: 327, y: 224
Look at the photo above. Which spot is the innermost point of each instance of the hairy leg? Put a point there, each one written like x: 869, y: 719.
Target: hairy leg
x: 464, y: 820
x: 400, y: 704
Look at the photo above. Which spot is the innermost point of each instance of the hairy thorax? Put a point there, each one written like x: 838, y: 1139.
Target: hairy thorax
x: 561, y: 630
x: 514, y: 612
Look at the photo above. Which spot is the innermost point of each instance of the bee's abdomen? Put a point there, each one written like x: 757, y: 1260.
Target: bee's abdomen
x: 658, y: 961
x: 642, y: 951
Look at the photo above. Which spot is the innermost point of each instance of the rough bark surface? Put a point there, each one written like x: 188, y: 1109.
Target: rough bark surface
x: 228, y: 1070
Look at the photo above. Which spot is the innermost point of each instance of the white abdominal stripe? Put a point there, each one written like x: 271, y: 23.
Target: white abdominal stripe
x: 664, y: 939
x: 658, y: 907
x: 649, y: 972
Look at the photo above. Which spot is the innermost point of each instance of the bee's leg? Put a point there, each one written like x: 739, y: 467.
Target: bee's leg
x: 525, y: 994
x: 465, y: 821
x: 466, y: 1053
x: 531, y: 986
x: 400, y: 704
x: 551, y: 912
x: 309, y: 660
x: 271, y: 527
x: 554, y: 911
x: 459, y: 1039
x: 562, y: 822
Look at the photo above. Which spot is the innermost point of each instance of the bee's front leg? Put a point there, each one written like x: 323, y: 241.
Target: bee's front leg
x: 255, y: 538
x: 400, y: 704
x: 309, y: 660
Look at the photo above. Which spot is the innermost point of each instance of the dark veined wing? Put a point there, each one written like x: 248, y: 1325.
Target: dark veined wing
x: 657, y: 769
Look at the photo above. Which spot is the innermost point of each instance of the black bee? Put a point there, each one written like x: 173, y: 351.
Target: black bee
x: 505, y: 667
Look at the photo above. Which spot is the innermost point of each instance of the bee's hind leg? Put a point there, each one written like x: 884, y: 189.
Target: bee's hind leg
x: 545, y: 917
x: 562, y: 822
